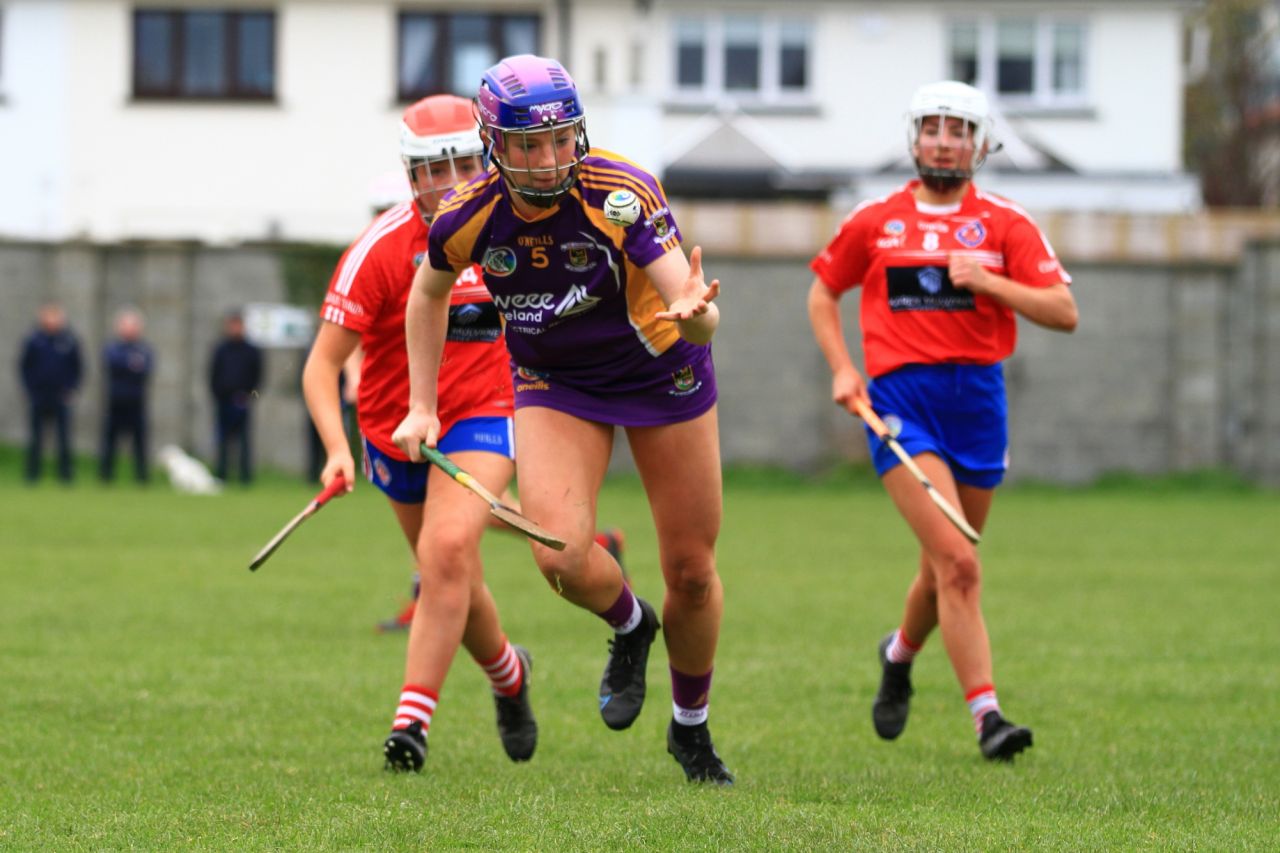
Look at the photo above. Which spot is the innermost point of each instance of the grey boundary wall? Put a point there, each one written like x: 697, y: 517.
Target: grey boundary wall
x: 1175, y: 367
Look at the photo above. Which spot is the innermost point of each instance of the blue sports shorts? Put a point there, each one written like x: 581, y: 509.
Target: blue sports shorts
x: 957, y: 411
x: 406, y: 482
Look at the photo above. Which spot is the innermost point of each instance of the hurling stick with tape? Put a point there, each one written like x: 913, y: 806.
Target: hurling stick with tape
x: 497, y: 508
x: 337, y: 486
x: 882, y: 432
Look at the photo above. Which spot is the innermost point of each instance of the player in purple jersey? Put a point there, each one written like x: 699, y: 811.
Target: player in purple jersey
x: 608, y: 325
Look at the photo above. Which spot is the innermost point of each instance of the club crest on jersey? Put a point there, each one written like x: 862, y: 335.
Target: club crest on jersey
x: 895, y: 226
x: 579, y: 257
x: 499, y: 261
x: 684, y: 379
x: 930, y: 279
x: 382, y: 472
x: 660, y: 224
x: 971, y: 234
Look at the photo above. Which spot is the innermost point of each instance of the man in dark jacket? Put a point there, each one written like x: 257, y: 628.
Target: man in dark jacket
x: 51, y: 369
x: 128, y: 361
x: 234, y: 375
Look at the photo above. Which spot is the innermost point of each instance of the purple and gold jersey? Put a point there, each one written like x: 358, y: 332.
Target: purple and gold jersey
x: 570, y: 283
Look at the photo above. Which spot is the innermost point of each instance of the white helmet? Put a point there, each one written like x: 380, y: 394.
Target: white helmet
x: 950, y: 98
x: 436, y: 129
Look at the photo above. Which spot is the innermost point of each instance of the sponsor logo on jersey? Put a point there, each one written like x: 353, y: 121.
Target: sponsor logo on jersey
x: 888, y: 242
x: 925, y: 288
x: 499, y: 261
x: 971, y: 234
x: 576, y: 301
x: 530, y: 307
x: 930, y: 279
x: 895, y: 226
x: 474, y: 322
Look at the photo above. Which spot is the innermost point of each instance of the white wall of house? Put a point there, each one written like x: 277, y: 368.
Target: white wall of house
x: 35, y: 138
x: 80, y: 157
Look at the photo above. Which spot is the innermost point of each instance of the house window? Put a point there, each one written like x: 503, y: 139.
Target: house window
x: 204, y: 54
x: 443, y: 53
x: 1024, y: 61
x: 751, y: 58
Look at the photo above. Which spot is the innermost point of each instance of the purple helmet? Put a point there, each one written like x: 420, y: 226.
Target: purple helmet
x: 523, y: 103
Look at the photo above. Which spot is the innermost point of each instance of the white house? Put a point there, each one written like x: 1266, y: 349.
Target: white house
x: 235, y: 120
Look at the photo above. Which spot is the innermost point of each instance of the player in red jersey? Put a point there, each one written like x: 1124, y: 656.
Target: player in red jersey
x: 944, y: 270
x: 365, y: 307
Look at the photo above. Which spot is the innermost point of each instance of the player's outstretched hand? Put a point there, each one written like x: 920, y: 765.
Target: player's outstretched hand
x: 418, y: 427
x: 698, y: 294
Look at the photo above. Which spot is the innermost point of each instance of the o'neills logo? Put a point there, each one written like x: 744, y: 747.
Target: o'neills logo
x: 499, y: 261
x: 531, y: 380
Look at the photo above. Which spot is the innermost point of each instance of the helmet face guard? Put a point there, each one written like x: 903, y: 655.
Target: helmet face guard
x: 533, y: 127
x: 440, y: 148
x: 951, y: 100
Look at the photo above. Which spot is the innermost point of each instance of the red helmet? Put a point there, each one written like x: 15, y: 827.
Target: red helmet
x: 440, y: 147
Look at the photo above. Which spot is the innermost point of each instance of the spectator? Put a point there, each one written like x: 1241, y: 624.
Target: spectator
x: 51, y: 369
x: 235, y: 372
x: 129, y: 362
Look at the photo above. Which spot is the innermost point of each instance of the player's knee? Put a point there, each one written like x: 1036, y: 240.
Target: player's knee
x: 560, y: 567
x: 693, y: 580
x: 959, y: 573
x: 447, y: 555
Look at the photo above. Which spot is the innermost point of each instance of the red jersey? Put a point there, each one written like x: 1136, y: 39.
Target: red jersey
x: 897, y: 249
x: 368, y: 294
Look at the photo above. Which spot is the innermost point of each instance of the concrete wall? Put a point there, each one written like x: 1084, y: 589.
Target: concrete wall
x: 1173, y: 368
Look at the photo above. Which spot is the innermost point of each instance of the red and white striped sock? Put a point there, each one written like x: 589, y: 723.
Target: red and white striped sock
x: 902, y: 650
x: 982, y: 701
x: 417, y: 705
x: 504, y: 671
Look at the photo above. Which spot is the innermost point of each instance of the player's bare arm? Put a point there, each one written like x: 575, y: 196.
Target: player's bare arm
x: 426, y: 321
x: 332, y: 348
x: 847, y: 384
x: 689, y: 299
x: 1052, y: 307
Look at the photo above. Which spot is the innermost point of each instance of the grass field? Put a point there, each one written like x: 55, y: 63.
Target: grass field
x: 157, y: 695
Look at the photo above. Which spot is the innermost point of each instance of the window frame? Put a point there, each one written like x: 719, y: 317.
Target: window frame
x: 1043, y: 96
x: 441, y: 52
x: 232, y: 90
x: 770, y: 92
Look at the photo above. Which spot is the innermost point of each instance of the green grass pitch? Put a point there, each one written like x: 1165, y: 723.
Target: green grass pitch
x: 157, y: 695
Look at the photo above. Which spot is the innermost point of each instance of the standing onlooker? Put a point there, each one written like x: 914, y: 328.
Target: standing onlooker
x: 129, y: 362
x: 945, y: 269
x: 50, y: 367
x: 234, y: 374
